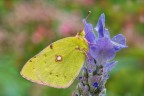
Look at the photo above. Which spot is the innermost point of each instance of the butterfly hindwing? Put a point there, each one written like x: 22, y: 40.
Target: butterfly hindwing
x: 28, y: 71
x: 58, y: 64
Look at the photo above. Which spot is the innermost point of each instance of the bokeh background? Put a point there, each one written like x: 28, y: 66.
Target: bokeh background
x: 28, y: 26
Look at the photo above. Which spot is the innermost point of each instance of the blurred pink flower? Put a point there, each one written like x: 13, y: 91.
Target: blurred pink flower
x: 18, y: 42
x: 41, y: 33
x: 141, y: 16
x: 26, y: 12
x: 43, y: 13
x: 89, y: 2
x: 70, y: 25
x: 85, y: 2
x: 37, y: 36
x: 2, y: 37
x: 133, y: 37
x: 67, y: 28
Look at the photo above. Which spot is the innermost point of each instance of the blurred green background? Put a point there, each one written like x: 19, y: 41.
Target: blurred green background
x: 28, y: 26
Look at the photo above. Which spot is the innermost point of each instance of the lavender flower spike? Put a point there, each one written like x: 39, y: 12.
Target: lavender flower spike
x: 102, y: 50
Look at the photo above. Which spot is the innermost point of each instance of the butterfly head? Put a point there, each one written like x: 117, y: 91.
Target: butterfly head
x: 81, y: 34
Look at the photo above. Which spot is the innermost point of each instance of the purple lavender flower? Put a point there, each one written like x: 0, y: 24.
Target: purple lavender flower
x: 102, y: 50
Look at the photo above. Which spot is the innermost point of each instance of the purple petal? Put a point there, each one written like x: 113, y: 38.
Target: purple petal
x: 91, y: 67
x: 93, y: 79
x: 80, y: 78
x: 119, y: 42
x: 103, y: 50
x: 109, y: 65
x: 95, y: 84
x: 90, y: 36
x: 100, y: 26
x: 106, y: 33
x: 91, y: 64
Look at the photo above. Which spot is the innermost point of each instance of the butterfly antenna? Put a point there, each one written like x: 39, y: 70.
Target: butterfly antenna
x: 89, y: 12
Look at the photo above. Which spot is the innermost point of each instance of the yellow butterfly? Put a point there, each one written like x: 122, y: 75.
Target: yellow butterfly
x: 59, y: 63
